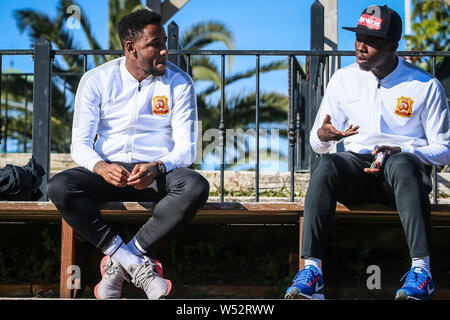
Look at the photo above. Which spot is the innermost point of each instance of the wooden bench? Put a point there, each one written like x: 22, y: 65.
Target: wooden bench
x: 211, y: 213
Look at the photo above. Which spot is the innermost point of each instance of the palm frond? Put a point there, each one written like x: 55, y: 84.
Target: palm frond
x: 84, y: 23
x: 205, y: 33
x: 272, y: 66
x: 37, y: 23
x: 116, y: 10
x: 204, y: 69
x: 241, y: 109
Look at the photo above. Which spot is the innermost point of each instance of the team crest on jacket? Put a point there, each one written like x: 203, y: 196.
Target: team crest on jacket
x: 404, y: 107
x: 159, y: 105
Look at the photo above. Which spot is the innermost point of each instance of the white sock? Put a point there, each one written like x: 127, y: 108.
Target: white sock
x: 135, y: 247
x: 122, y: 254
x: 422, y: 262
x: 310, y: 261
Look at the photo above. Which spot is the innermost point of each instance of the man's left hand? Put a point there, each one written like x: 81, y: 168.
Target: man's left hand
x: 391, y: 151
x: 143, y: 175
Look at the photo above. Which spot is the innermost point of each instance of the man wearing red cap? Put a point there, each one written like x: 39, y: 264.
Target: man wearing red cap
x: 393, y: 119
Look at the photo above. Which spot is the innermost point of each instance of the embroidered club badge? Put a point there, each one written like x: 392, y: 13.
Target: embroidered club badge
x: 404, y: 107
x: 159, y: 105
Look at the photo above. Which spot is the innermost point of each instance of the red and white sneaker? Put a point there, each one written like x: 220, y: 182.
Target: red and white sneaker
x: 144, y: 276
x: 157, y: 266
x: 113, y: 275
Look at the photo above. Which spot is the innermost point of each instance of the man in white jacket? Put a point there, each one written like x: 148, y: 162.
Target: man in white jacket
x: 379, y: 106
x: 134, y: 135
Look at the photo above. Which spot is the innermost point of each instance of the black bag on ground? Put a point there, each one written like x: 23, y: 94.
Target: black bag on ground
x: 21, y: 183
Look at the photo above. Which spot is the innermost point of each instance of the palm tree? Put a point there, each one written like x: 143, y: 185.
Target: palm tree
x: 38, y: 24
x: 430, y: 24
x: 117, y: 9
x: 16, y: 87
x: 240, y: 108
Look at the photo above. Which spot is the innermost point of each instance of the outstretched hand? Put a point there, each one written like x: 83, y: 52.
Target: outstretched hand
x: 328, y: 132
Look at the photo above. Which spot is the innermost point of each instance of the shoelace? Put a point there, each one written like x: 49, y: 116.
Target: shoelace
x: 414, y: 279
x: 304, y: 275
x: 109, y: 267
x: 142, y: 278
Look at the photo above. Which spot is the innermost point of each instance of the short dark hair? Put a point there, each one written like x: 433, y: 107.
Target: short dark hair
x: 130, y: 26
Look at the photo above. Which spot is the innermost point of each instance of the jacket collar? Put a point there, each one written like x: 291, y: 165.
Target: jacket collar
x: 391, y: 76
x: 126, y: 75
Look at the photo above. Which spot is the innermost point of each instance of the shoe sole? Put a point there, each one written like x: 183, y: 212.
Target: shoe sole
x: 169, y: 287
x: 103, y: 265
x: 295, y: 297
x: 402, y: 295
x: 295, y: 294
x: 96, y: 292
x: 158, y: 266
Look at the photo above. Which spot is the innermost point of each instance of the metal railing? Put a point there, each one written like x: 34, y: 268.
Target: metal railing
x: 306, y: 89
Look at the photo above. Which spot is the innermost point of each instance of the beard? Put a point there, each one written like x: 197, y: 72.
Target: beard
x: 154, y: 71
x: 150, y: 67
x: 364, y: 67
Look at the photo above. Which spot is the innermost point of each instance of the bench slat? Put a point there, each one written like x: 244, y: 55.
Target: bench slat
x: 235, y: 211
x: 231, y: 212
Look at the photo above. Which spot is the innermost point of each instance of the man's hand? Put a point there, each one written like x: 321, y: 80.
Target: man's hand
x: 143, y: 175
x: 390, y: 150
x: 328, y: 132
x: 112, y: 173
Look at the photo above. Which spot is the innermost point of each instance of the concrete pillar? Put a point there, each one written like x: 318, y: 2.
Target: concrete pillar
x: 331, y: 43
x: 166, y: 9
x: 330, y: 34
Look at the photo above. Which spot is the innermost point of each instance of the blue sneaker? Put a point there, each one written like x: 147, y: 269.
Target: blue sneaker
x: 308, y: 283
x: 418, y: 286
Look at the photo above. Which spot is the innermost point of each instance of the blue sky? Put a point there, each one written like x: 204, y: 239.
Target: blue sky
x: 255, y: 24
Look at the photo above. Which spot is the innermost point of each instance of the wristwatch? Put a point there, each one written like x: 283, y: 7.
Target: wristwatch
x: 161, y: 168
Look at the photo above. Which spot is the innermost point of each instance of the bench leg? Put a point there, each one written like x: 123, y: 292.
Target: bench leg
x: 67, y: 259
x: 301, y: 262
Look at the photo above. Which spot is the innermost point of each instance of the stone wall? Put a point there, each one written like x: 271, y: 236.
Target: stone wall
x: 234, y: 180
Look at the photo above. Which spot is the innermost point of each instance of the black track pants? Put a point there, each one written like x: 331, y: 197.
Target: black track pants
x: 405, y: 183
x: 78, y: 192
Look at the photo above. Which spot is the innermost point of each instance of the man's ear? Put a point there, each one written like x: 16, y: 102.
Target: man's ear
x: 130, y: 48
x: 394, y: 46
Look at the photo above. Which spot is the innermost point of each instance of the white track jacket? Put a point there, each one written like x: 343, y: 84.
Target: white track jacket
x: 408, y: 108
x: 134, y: 122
